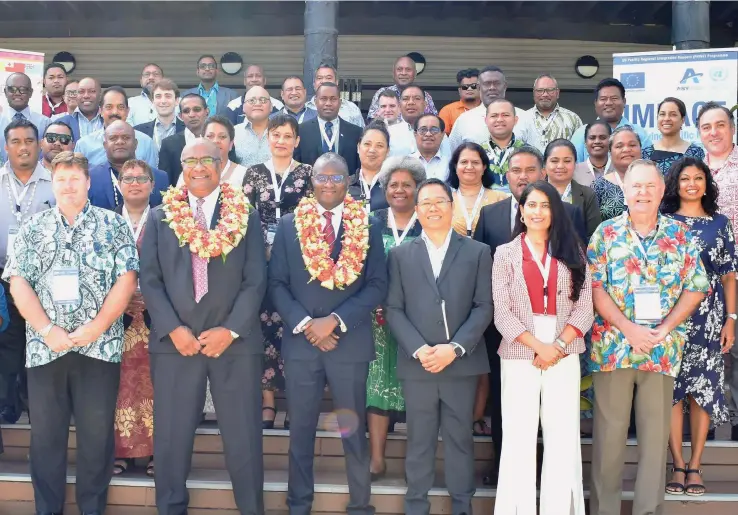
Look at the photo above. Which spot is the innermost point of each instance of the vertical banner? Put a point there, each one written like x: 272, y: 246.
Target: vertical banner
x: 693, y: 76
x: 30, y: 63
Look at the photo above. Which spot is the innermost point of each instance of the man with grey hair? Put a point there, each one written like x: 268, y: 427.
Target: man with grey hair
x: 547, y: 120
x: 638, y: 336
x: 434, y: 150
x: 328, y: 329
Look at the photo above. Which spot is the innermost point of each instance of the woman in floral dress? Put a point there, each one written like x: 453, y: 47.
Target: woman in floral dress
x: 691, y: 197
x: 275, y: 188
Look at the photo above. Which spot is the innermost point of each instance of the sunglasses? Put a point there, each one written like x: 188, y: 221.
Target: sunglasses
x: 14, y: 90
x: 188, y: 110
x: 130, y: 179
x: 324, y: 179
x: 467, y: 87
x: 52, y: 137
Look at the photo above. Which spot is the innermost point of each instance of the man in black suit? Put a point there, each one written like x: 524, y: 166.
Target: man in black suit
x: 194, y: 112
x: 328, y: 132
x: 205, y: 326
x: 327, y: 335
x: 438, y: 307
x: 496, y: 222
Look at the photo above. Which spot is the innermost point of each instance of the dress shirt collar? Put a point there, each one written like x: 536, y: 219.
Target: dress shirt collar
x: 322, y: 123
x: 436, y: 254
x: 79, y: 114
x: 208, y: 206
x: 432, y: 246
x: 145, y: 94
x: 189, y: 136
x: 215, y: 88
x: 287, y: 110
x: 159, y: 123
x: 39, y: 173
x: 539, y: 114
x: 337, y: 215
x: 494, y: 145
x: 25, y: 112
x: 438, y: 155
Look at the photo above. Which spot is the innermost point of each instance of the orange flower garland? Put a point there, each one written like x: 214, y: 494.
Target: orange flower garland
x: 208, y: 243
x: 316, y: 252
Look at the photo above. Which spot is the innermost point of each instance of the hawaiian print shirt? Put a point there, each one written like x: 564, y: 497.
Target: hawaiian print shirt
x: 498, y: 161
x: 672, y: 262
x: 101, y: 249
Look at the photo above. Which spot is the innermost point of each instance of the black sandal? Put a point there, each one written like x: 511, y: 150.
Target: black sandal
x: 484, y: 428
x: 120, y: 466
x: 694, y: 489
x: 268, y: 424
x: 150, y: 467
x: 675, y: 488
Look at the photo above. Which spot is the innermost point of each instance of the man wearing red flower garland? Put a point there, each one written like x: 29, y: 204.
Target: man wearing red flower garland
x: 326, y: 274
x: 205, y: 326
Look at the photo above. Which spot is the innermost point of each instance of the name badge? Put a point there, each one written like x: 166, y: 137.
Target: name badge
x: 647, y: 304
x: 10, y: 251
x: 65, y: 286
x: 271, y: 233
x: 544, y: 328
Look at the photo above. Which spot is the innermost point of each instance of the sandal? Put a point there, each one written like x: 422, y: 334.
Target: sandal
x: 120, y: 466
x: 676, y: 488
x: 268, y: 424
x: 480, y: 428
x: 150, y: 467
x: 695, y: 489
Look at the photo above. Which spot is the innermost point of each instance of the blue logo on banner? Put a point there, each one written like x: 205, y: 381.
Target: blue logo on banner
x: 633, y: 80
x: 690, y: 74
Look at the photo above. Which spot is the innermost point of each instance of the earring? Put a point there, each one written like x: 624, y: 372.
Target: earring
x: 522, y: 219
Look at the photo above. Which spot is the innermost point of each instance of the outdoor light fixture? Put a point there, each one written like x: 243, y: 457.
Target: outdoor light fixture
x: 231, y: 63
x: 419, y: 61
x: 67, y: 60
x: 587, y: 67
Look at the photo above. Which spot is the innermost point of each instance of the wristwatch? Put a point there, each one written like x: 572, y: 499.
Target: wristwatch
x: 733, y: 316
x: 459, y: 351
x: 234, y: 334
x: 561, y: 343
x: 46, y: 330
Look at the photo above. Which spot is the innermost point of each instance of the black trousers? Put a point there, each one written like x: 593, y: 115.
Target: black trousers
x: 179, y: 398
x: 306, y: 382
x: 13, y: 390
x: 88, y: 389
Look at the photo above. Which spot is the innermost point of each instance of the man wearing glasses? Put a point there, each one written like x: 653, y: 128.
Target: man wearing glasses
x: 433, y: 148
x: 216, y: 96
x: 250, y: 141
x: 57, y: 138
x: 294, y: 96
x: 546, y: 120
x: 141, y: 107
x: 18, y: 92
x: 469, y: 97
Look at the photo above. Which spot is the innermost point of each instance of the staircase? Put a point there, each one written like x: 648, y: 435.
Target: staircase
x: 210, y: 490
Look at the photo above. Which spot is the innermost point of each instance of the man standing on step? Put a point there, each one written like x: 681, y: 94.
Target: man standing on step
x: 326, y: 308
x: 438, y: 307
x: 204, y: 310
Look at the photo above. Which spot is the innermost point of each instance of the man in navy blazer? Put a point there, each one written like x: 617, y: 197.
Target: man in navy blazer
x: 327, y: 338
x: 316, y: 134
x: 120, y: 146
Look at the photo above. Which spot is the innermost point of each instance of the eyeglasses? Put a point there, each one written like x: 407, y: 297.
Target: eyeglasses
x: 70, y: 93
x: 150, y: 74
x: 257, y: 100
x: 433, y: 131
x: 440, y: 204
x: 192, y: 162
x: 324, y: 179
x: 196, y: 109
x: 207, y: 66
x: 130, y: 179
x: 52, y: 137
x: 541, y: 91
x: 14, y: 90
x: 467, y: 87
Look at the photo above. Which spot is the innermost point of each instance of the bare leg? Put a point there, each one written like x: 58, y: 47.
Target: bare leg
x: 267, y: 401
x: 378, y: 428
x: 700, y: 422
x: 675, y: 446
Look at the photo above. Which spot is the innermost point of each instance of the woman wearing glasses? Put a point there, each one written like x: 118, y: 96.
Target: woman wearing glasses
x: 134, y: 414
x: 275, y: 187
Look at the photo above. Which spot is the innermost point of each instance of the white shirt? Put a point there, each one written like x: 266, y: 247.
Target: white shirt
x: 513, y: 213
x: 189, y: 136
x: 402, y: 139
x: 208, y: 207
x: 437, y: 166
x: 140, y: 110
x: 336, y: 131
x: 471, y: 126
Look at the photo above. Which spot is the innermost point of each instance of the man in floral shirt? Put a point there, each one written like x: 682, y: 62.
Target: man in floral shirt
x: 647, y: 279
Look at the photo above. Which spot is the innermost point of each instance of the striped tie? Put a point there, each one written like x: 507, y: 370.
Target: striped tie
x: 329, y: 235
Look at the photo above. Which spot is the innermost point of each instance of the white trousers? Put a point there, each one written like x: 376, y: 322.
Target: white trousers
x: 553, y: 396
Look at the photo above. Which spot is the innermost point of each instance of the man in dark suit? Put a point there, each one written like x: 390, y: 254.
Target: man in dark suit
x: 216, y: 96
x: 327, y: 336
x: 205, y: 326
x: 328, y: 132
x: 438, y: 306
x: 194, y: 112
x: 495, y: 226
x: 120, y: 146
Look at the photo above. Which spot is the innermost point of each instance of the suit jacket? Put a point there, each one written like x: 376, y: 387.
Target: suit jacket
x: 295, y: 296
x: 585, y: 199
x: 101, y: 192
x: 148, y: 127
x: 378, y: 195
x: 414, y: 312
x: 170, y: 156
x: 236, y: 286
x: 222, y: 97
x: 311, y: 143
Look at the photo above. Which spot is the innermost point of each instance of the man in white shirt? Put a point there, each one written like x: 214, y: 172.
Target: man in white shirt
x: 141, y: 108
x: 430, y: 138
x: 349, y: 111
x: 402, y: 142
x: 18, y: 92
x: 253, y: 75
x: 250, y: 140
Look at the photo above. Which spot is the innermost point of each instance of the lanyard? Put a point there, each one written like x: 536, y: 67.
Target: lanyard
x: 477, y: 206
x: 17, y: 199
x: 277, y: 186
x: 592, y: 167
x: 619, y: 181
x: 567, y: 194
x: 116, y: 187
x: 68, y: 235
x: 393, y: 225
x: 330, y: 142
x: 545, y: 269
x: 137, y: 232
x: 53, y: 106
x: 500, y: 155
x: 544, y: 127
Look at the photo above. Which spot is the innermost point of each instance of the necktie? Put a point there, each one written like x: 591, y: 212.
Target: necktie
x: 329, y: 136
x: 19, y: 116
x: 329, y: 235
x: 200, y: 265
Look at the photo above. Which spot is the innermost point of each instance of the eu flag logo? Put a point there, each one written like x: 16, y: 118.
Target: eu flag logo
x: 634, y: 80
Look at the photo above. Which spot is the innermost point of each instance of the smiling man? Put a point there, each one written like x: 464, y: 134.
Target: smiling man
x: 433, y: 149
x: 57, y: 138
x: 501, y: 120
x: 165, y: 95
x: 86, y: 118
x: 18, y: 92
x: 194, y: 111
x: 294, y: 96
x: 250, y: 142
x: 253, y: 75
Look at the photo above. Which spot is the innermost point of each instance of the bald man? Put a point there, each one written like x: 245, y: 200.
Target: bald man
x: 120, y: 146
x: 253, y: 75
x: 404, y: 73
x: 251, y: 142
x: 86, y: 118
x: 18, y: 91
x: 205, y: 326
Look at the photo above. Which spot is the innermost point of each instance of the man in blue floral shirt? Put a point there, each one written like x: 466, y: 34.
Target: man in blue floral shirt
x: 72, y: 274
x: 647, y: 279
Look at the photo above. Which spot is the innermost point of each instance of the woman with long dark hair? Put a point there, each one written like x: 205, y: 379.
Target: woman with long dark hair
x: 691, y: 197
x: 543, y: 307
x: 671, y: 114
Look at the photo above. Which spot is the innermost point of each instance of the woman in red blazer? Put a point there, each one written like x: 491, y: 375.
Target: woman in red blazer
x: 542, y: 322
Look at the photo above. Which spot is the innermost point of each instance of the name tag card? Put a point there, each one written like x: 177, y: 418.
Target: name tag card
x: 271, y: 233
x: 65, y: 286
x: 544, y: 328
x: 647, y: 304
x: 12, y: 235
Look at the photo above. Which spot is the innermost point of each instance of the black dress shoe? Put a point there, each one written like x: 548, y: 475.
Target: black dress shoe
x: 490, y: 477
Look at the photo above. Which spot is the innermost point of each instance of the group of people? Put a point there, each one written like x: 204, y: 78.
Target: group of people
x: 181, y: 252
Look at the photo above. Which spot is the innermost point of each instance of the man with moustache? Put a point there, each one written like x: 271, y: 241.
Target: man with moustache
x: 432, y: 144
x: 205, y: 327
x: 438, y: 306
x: 327, y: 326
x: 495, y: 227
x: 115, y: 107
x: 194, y: 111
x: 18, y: 92
x: 250, y: 141
x: 468, y: 81
x: 165, y: 95
x: 55, y: 80
x: 57, y: 138
x: 86, y: 118
x: 141, y: 107
x: 404, y: 73
x: 120, y: 146
x: 294, y: 96
x: 253, y: 75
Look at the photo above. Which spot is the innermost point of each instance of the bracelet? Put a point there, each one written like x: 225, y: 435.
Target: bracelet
x: 561, y: 343
x: 44, y: 332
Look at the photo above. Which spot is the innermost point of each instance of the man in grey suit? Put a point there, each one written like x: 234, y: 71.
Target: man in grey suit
x: 205, y: 325
x: 327, y: 335
x: 438, y: 307
x: 216, y: 96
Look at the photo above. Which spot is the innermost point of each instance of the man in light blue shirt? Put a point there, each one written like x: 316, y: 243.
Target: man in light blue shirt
x: 430, y: 137
x: 217, y: 97
x: 18, y: 92
x: 115, y: 107
x: 609, y: 105
x: 86, y: 118
x: 141, y: 107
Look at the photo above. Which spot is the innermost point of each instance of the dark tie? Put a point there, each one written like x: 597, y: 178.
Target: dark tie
x: 329, y: 137
x: 329, y: 235
x: 19, y: 116
x: 200, y: 265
